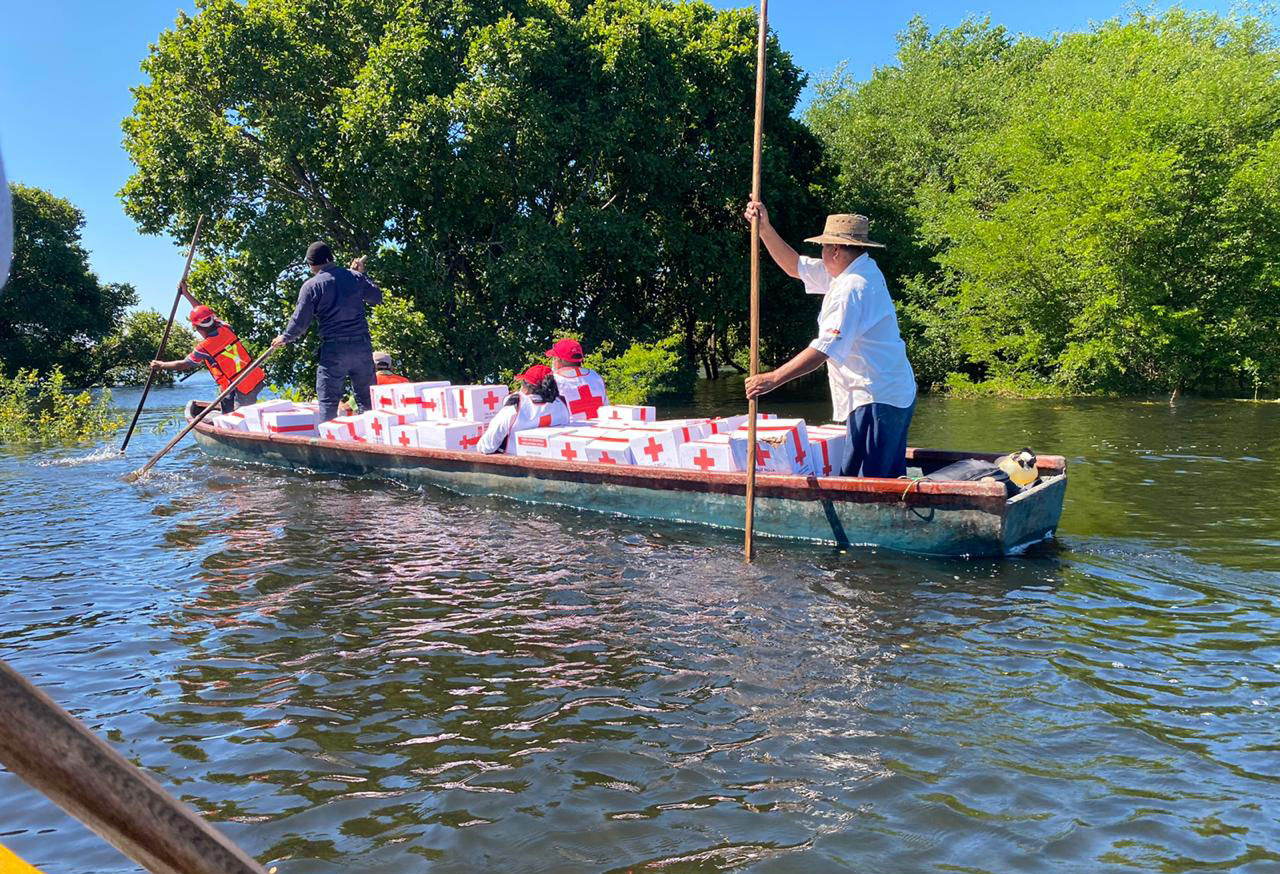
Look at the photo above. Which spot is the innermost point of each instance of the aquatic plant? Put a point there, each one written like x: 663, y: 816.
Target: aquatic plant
x: 36, y: 409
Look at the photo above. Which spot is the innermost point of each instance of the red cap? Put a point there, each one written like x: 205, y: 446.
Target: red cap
x: 535, y: 374
x: 567, y: 349
x: 202, y: 315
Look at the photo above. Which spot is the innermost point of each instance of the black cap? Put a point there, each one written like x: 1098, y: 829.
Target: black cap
x: 319, y: 254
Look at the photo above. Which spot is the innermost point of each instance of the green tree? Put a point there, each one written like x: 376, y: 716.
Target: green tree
x: 512, y: 167
x: 124, y: 358
x: 1093, y: 213
x: 54, y: 311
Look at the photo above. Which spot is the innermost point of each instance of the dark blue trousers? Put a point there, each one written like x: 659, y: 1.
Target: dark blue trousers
x: 877, y: 441
x: 343, y: 358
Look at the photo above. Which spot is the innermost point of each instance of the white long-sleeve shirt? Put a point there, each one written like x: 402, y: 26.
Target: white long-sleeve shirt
x: 519, y: 413
x: 858, y: 332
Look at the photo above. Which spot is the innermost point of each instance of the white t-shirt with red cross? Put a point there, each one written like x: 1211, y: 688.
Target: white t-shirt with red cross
x: 583, y: 390
x: 520, y: 413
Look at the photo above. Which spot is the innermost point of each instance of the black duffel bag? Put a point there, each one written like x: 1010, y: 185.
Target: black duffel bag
x: 972, y: 470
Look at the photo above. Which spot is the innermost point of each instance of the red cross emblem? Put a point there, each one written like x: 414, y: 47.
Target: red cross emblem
x: 762, y: 455
x: 605, y: 459
x: 654, y: 449
x: 826, y: 459
x: 704, y: 461
x: 586, y: 403
x: 386, y: 401
x: 468, y: 442
x: 377, y: 427
x: 462, y: 402
x: 329, y: 435
x: 491, y: 400
x: 404, y: 438
x: 428, y: 404
x: 568, y: 453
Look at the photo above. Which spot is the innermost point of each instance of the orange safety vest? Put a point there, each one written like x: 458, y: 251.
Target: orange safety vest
x: 225, y: 356
x: 385, y: 378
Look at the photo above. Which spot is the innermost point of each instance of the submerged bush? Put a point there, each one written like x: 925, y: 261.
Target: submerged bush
x: 41, y: 409
x: 644, y: 373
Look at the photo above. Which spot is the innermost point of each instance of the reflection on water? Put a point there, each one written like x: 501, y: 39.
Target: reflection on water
x: 351, y: 675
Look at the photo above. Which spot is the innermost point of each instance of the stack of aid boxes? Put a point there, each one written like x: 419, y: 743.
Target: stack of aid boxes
x: 826, y: 449
x: 249, y: 418
x: 658, y: 444
x: 476, y: 403
x: 297, y: 421
x: 782, y: 445
x: 378, y: 424
x: 454, y: 417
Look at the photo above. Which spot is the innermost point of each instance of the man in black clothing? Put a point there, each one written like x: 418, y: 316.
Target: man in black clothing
x: 336, y: 299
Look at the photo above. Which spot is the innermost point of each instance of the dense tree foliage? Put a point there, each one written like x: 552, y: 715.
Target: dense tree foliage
x: 54, y: 312
x: 125, y: 357
x: 1098, y: 212
x: 515, y: 168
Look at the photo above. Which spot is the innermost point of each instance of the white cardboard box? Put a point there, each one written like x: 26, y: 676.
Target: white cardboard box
x: 571, y: 444
x: 655, y: 445
x: 623, y: 413
x: 826, y: 451
x: 782, y: 445
x: 253, y: 412
x: 230, y: 421
x: 727, y: 424
x: 436, y: 404
x: 454, y: 435
x: 715, y: 453
x: 292, y: 422
x: 613, y: 447
x: 477, y: 403
x: 346, y: 428
x: 536, y: 442
x: 378, y: 424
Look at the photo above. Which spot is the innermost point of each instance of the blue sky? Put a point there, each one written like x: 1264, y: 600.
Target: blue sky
x: 66, y: 69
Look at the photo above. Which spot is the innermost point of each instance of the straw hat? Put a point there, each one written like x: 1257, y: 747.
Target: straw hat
x: 845, y: 230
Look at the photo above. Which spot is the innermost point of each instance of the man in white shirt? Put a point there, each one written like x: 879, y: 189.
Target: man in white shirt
x: 873, y: 389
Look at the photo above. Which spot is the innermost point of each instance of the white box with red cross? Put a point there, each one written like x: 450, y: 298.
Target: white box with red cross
x: 826, y: 450
x: 378, y: 424
x: 454, y: 435
x: 571, y: 443
x: 622, y: 414
x: 714, y: 453
x: 658, y: 445
x: 782, y: 445
x: 536, y: 442
x: 253, y: 412
x: 293, y: 422
x: 347, y: 428
x: 436, y: 403
x: 477, y: 403
x: 230, y: 421
x: 612, y: 447
x: 401, y: 394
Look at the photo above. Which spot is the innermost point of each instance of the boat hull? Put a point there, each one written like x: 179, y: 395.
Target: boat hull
x: 958, y: 519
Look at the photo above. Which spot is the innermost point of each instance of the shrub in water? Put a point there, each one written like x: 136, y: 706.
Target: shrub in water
x: 37, y: 409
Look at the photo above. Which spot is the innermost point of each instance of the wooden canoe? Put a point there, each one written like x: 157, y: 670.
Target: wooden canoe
x: 933, y: 518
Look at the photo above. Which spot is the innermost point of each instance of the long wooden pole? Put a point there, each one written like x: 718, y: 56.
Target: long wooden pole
x: 53, y: 751
x: 199, y: 417
x: 757, y: 146
x: 164, y: 340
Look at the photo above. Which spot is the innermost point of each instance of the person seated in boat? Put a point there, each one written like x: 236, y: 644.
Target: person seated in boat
x: 582, y: 388
x: 383, y: 368
x: 536, y: 405
x: 221, y: 351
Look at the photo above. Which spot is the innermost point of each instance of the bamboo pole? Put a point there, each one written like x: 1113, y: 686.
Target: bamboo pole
x: 164, y: 340
x: 199, y: 417
x: 53, y: 752
x: 757, y: 145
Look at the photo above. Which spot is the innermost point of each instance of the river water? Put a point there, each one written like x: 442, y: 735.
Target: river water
x: 349, y: 675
